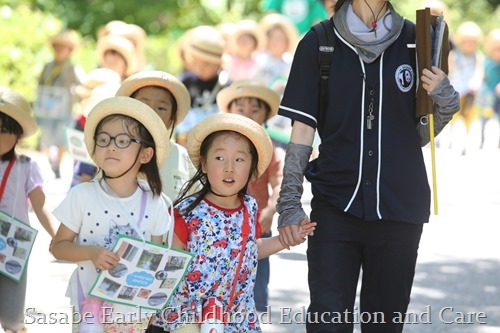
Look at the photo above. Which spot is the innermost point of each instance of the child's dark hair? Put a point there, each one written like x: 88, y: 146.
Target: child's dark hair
x: 260, y: 103
x: 135, y: 128
x: 201, y: 178
x: 173, y: 114
x: 9, y: 126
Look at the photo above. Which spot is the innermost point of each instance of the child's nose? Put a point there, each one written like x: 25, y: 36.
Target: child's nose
x: 229, y: 167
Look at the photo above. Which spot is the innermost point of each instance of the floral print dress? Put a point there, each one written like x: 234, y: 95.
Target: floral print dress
x: 214, y: 235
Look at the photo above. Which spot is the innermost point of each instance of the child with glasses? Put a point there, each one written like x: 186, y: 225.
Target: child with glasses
x: 124, y: 137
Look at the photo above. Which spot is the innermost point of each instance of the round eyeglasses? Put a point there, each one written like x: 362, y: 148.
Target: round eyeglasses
x: 122, y: 141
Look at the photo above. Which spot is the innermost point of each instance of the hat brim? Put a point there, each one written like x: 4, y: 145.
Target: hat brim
x: 135, y: 109
x: 246, y: 88
x: 159, y: 79
x: 23, y: 115
x: 231, y: 122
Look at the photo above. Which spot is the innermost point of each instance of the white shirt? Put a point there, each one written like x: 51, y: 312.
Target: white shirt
x: 24, y: 177
x: 99, y: 218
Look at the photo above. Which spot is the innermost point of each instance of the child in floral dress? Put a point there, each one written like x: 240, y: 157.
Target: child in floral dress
x: 218, y: 224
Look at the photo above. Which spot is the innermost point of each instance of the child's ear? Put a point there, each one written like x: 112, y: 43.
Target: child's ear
x: 203, y: 165
x: 146, y: 155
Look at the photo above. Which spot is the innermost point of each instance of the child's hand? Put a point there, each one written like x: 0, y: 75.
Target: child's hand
x: 307, y: 228
x: 431, y: 80
x: 103, y: 259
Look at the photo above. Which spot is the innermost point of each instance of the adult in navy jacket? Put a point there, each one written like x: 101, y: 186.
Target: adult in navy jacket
x: 370, y: 190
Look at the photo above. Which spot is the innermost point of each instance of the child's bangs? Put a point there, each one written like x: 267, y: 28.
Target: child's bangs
x: 9, y: 125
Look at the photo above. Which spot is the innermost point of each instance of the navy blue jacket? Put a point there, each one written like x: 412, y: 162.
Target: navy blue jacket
x: 376, y: 173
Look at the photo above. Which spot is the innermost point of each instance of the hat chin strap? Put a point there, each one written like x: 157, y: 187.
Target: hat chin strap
x: 126, y: 171
x: 222, y: 196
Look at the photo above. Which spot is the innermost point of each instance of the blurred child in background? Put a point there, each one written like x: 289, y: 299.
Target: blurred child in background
x: 243, y: 45
x: 204, y: 49
x: 56, y: 97
x: 466, y: 67
x: 274, y: 64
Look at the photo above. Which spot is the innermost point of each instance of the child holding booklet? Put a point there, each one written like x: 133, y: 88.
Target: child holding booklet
x: 219, y: 224
x: 21, y: 179
x: 124, y: 137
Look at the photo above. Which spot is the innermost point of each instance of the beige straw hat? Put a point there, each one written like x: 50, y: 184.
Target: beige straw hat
x: 247, y: 27
x: 135, y: 109
x: 99, y: 93
x: 159, y: 79
x: 17, y: 107
x: 132, y: 32
x: 274, y: 19
x: 231, y: 122
x: 68, y: 38
x: 205, y: 43
x: 248, y: 88
x: 94, y: 78
x: 121, y: 45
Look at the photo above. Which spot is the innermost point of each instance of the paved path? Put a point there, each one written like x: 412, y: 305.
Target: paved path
x: 458, y: 269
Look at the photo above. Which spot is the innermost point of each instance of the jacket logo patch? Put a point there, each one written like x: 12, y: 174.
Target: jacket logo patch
x: 404, y: 77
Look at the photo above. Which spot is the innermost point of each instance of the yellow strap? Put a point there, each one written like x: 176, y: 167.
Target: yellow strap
x: 54, y: 73
x: 433, y: 163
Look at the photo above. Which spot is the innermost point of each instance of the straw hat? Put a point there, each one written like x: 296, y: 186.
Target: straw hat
x: 248, y: 88
x: 17, y: 107
x: 231, y: 122
x: 247, y: 27
x: 67, y: 38
x: 468, y: 29
x: 205, y: 43
x: 94, y: 78
x: 160, y: 79
x: 135, y: 109
x: 227, y: 29
x: 274, y: 19
x: 120, y: 45
x: 99, y: 93
x: 132, y: 32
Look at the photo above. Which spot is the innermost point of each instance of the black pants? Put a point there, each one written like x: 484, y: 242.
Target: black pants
x: 386, y: 251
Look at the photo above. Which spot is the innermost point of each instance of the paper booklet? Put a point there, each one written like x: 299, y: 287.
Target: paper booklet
x: 437, y: 35
x: 75, y: 141
x: 16, y: 241
x: 52, y: 102
x: 147, y: 274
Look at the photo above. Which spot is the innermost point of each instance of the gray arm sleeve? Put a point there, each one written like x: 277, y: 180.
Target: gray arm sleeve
x: 446, y: 103
x: 289, y: 206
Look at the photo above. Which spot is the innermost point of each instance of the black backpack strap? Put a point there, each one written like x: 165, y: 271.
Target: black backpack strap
x: 326, y: 40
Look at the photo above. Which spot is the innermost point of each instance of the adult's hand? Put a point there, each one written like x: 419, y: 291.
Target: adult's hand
x: 290, y: 235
